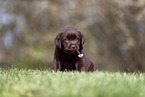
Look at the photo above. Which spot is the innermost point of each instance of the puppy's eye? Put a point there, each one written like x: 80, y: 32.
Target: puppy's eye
x: 77, y: 38
x: 65, y: 39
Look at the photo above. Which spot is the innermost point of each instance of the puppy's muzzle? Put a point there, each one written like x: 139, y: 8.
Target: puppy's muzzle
x: 73, y: 47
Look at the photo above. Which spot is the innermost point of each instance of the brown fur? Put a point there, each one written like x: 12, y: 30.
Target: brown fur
x: 69, y: 43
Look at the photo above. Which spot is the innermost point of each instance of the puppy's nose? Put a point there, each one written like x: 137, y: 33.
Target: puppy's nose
x: 73, y: 46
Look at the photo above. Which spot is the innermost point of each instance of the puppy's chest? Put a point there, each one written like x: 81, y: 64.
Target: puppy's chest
x: 68, y: 65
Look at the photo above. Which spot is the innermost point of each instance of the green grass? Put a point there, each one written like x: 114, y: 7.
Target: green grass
x: 35, y: 83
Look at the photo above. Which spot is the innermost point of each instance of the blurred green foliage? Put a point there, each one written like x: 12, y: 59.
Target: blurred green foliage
x: 114, y: 30
x: 37, y: 83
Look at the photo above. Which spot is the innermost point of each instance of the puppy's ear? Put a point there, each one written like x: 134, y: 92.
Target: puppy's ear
x: 82, y: 40
x: 58, y: 40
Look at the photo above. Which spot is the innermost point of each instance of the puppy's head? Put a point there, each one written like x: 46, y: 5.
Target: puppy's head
x: 70, y: 40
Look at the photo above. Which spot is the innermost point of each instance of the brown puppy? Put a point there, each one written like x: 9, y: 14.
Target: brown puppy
x: 69, y: 53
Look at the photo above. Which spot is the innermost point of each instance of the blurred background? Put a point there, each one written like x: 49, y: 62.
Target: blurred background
x: 114, y: 30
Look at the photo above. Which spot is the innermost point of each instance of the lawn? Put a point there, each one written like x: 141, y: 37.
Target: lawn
x: 36, y: 83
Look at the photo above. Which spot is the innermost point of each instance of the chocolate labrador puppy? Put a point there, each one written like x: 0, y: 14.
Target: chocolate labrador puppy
x: 69, y: 54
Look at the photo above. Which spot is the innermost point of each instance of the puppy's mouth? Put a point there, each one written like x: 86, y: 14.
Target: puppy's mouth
x: 71, y: 51
x: 80, y: 55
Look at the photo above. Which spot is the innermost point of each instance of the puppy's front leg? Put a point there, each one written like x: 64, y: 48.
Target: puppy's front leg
x: 56, y: 65
x: 80, y: 65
